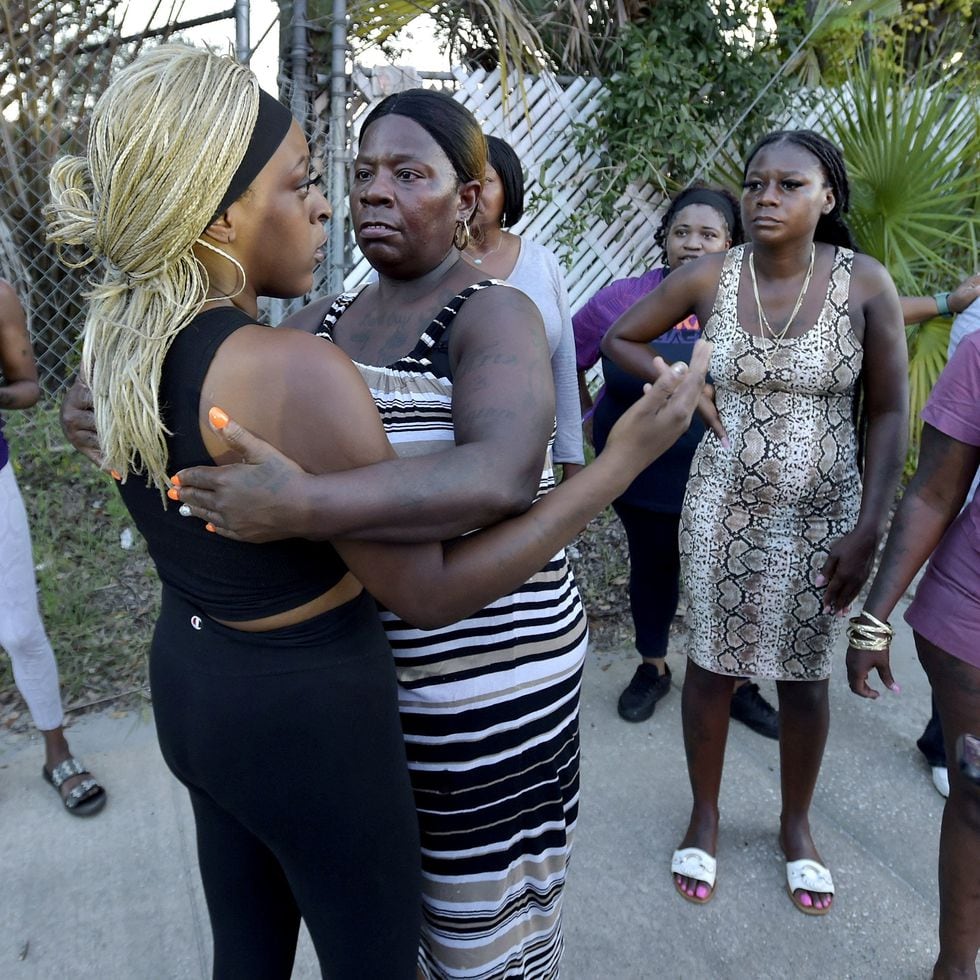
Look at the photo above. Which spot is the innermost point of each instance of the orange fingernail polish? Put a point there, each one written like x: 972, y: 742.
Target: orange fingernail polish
x: 209, y: 527
x: 175, y: 480
x: 217, y: 418
x: 173, y: 494
x: 116, y: 475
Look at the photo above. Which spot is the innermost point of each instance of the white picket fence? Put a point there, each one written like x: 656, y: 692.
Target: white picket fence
x: 538, y: 122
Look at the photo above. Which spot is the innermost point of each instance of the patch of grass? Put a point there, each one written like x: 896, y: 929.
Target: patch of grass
x: 98, y: 599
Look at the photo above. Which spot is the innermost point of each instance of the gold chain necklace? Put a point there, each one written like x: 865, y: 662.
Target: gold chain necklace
x: 763, y: 319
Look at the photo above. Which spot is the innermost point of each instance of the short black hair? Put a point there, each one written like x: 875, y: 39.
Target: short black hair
x: 447, y: 121
x: 503, y: 159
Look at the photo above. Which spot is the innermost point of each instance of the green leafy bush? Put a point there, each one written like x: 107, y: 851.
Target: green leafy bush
x: 684, y: 75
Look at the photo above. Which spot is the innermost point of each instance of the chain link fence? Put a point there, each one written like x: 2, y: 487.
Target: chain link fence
x: 52, y: 78
x: 58, y: 58
x: 55, y: 61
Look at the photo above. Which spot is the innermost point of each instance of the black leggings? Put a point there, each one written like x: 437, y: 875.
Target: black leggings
x: 290, y: 746
x: 654, y: 574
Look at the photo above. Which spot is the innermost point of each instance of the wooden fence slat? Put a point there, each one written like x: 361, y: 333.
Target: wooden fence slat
x: 540, y: 121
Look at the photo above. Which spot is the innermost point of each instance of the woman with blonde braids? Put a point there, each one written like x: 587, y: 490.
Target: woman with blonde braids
x: 273, y: 687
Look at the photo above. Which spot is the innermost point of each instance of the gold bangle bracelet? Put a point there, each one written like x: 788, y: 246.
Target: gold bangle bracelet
x: 874, y: 624
x: 880, y: 643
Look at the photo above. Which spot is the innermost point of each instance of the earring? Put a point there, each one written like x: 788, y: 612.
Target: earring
x: 461, y: 235
x: 233, y: 261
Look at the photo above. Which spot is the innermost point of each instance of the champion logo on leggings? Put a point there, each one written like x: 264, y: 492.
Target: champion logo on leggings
x: 196, y: 622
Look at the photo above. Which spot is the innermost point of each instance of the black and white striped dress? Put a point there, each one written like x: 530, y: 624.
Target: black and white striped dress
x: 489, y: 708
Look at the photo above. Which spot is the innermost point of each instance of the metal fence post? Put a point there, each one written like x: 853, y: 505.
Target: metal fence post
x: 338, y: 144
x: 243, y: 44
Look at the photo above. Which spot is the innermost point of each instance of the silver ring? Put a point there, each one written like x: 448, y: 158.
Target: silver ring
x: 184, y: 510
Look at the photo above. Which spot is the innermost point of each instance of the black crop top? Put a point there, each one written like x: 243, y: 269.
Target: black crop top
x: 226, y: 579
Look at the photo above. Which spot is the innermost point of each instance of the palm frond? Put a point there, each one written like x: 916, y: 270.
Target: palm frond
x: 927, y: 357
x: 376, y: 21
x: 829, y: 19
x: 911, y: 148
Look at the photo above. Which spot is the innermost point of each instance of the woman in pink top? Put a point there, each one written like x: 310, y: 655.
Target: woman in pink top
x: 945, y: 618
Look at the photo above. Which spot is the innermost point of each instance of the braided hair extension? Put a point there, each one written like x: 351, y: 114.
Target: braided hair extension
x: 681, y: 200
x: 167, y: 136
x: 831, y: 228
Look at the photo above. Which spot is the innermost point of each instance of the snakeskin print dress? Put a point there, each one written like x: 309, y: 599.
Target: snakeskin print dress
x: 760, y: 516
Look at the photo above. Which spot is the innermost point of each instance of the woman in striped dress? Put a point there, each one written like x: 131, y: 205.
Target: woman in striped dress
x: 489, y: 706
x: 459, y: 368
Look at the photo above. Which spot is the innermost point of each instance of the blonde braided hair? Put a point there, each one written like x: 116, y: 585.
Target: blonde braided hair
x: 166, y: 139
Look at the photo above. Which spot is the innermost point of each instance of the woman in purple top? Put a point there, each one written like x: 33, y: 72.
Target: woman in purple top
x: 699, y: 220
x: 945, y: 618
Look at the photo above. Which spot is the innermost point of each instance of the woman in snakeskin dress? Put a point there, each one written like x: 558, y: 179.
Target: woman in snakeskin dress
x: 779, y: 532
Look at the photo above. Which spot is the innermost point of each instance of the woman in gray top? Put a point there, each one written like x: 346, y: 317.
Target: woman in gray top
x: 534, y: 270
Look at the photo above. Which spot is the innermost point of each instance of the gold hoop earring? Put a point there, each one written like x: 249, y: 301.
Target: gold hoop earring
x: 233, y: 261
x: 461, y: 235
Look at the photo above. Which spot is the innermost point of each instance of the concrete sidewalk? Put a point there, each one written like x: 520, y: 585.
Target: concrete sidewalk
x: 118, y: 896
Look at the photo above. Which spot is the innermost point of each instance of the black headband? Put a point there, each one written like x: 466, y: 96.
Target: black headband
x: 704, y: 195
x: 271, y: 125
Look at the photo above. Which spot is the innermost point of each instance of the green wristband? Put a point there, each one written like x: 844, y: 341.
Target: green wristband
x: 942, y: 302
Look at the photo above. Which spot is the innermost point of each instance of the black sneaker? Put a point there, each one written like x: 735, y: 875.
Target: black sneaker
x: 752, y: 709
x: 646, y: 688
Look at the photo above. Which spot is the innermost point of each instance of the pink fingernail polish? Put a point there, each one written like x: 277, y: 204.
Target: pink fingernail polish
x: 820, y: 580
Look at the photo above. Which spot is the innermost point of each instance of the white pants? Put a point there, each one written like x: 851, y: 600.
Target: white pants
x: 21, y: 630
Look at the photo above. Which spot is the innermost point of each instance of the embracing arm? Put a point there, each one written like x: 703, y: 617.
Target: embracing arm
x: 77, y: 417
x: 461, y: 576
x: 17, y: 366
x: 885, y: 389
x: 310, y: 318
x: 503, y: 407
x: 426, y: 584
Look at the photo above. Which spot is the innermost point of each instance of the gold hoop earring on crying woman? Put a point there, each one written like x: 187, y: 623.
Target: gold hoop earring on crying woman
x: 461, y: 236
x: 233, y: 261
